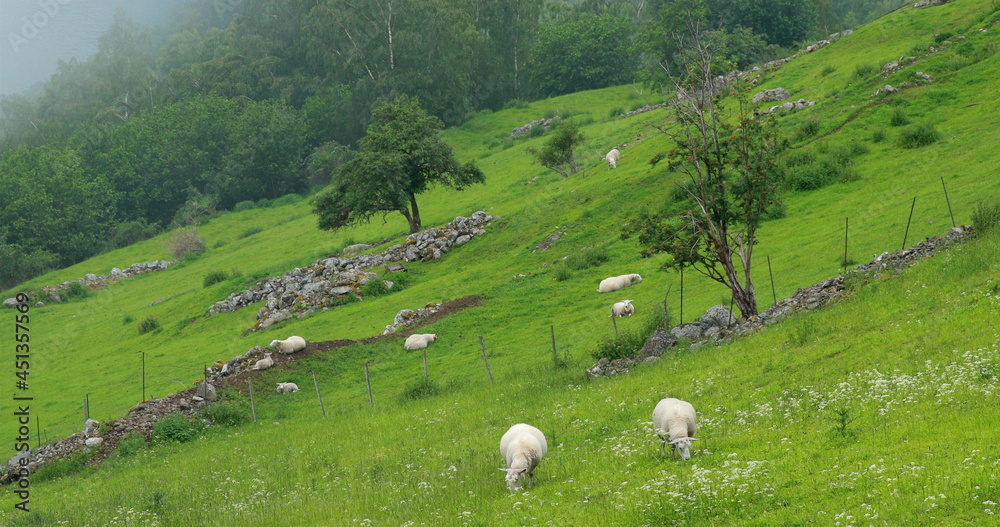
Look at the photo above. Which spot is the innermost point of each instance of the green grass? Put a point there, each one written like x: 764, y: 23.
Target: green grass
x: 827, y: 417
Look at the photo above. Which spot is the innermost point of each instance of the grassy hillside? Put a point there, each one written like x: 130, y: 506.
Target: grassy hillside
x: 827, y: 418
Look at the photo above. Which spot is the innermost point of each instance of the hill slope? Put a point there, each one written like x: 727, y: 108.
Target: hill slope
x: 829, y: 417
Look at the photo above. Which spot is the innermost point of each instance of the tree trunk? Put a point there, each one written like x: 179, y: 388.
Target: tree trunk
x: 413, y: 216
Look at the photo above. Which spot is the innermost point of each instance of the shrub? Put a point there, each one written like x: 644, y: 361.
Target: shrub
x: 229, y: 412
x: 215, y: 277
x: 562, y: 274
x: 131, y: 444
x: 941, y: 37
x: 421, y: 389
x: 376, y: 288
x: 244, y: 205
x: 536, y: 131
x: 986, y: 217
x: 75, y: 290
x: 828, y: 69
x: 627, y: 343
x: 614, y: 112
x: 148, y: 324
x: 58, y: 468
x: 515, y: 103
x: 898, y: 117
x: 809, y: 128
x: 588, y: 258
x: 186, y: 241
x: 918, y: 135
x: 865, y: 70
x: 250, y: 232
x: 813, y: 175
x: 774, y: 212
x: 878, y: 136
x: 176, y: 428
x: 127, y: 319
x: 287, y: 199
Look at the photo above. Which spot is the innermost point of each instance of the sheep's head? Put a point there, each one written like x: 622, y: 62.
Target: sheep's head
x: 274, y: 343
x: 636, y: 278
x: 682, y: 445
x: 431, y: 337
x: 627, y: 303
x: 515, y: 477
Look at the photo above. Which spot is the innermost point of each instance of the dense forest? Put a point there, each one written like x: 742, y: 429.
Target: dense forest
x: 232, y: 103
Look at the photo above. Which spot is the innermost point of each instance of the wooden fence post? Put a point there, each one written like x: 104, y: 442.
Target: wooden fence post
x: 555, y: 353
x: 486, y: 358
x: 368, y: 381
x: 253, y: 406
x: 950, y: 213
x: 318, y: 395
x: 908, y: 220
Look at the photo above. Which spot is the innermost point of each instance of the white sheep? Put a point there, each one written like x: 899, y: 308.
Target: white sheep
x: 419, y: 340
x: 523, y: 447
x: 675, y: 420
x: 612, y: 158
x: 287, y: 387
x: 264, y: 363
x: 622, y: 309
x: 615, y: 283
x: 289, y: 345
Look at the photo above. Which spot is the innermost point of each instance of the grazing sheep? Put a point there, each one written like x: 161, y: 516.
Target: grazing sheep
x: 264, y: 363
x: 615, y: 283
x: 675, y: 420
x: 523, y: 447
x: 419, y: 340
x: 612, y: 158
x: 287, y: 387
x: 289, y: 345
x: 622, y: 309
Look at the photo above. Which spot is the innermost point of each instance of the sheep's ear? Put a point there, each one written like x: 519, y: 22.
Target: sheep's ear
x: 693, y: 438
x: 502, y: 469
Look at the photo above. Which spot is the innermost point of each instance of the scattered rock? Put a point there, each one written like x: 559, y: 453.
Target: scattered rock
x: 774, y: 94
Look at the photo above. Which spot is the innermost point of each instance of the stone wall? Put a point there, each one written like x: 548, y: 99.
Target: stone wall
x: 52, y: 293
x: 331, y: 281
x: 718, y: 323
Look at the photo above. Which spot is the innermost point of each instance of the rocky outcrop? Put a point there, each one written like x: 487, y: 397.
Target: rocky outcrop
x: 773, y: 94
x: 409, y: 317
x: 332, y: 281
x: 791, y: 106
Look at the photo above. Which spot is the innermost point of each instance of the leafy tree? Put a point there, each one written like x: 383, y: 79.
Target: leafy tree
x: 583, y: 53
x: 50, y: 203
x: 401, y: 156
x: 558, y: 152
x: 781, y: 22
x: 732, y: 180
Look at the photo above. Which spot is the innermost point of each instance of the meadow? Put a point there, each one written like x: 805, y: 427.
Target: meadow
x: 877, y: 410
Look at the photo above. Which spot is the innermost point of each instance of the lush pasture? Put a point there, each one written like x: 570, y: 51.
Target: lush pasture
x: 877, y: 410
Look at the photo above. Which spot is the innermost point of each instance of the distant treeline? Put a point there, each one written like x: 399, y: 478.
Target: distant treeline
x: 244, y: 100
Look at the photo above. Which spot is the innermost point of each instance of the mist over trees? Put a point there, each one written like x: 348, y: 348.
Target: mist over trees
x: 233, y: 102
